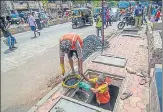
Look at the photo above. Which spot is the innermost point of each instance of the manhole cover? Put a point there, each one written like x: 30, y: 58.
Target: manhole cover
x: 130, y: 30
x: 65, y: 105
x: 112, y: 61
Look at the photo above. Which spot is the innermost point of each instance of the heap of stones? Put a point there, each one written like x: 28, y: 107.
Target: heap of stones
x: 91, y: 44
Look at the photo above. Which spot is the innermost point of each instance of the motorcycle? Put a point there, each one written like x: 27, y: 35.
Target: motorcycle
x: 128, y: 19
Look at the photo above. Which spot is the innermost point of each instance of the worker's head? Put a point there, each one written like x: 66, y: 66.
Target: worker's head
x: 65, y: 46
x: 101, y: 78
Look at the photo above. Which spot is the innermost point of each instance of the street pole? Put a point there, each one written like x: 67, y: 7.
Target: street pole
x: 12, y: 4
x: 102, y: 25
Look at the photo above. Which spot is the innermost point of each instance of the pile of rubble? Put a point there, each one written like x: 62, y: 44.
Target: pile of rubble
x: 91, y: 44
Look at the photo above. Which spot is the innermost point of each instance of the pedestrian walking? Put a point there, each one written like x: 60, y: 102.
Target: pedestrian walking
x: 10, y: 40
x: 108, y: 17
x: 32, y: 24
x: 138, y: 15
x: 46, y: 20
x: 144, y: 14
x: 38, y: 21
x: 99, y: 25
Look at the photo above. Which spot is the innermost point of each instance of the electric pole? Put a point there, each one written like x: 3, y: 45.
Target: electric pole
x: 102, y: 25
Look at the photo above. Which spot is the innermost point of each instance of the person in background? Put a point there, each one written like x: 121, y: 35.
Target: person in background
x: 157, y: 17
x: 67, y: 14
x: 99, y: 24
x: 138, y: 16
x: 10, y: 40
x: 8, y: 18
x: 46, y: 20
x: 38, y: 21
x: 32, y: 24
x: 144, y: 14
x: 108, y: 18
x: 153, y: 13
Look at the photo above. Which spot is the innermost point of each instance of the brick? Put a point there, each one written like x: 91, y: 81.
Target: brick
x: 134, y: 100
x: 131, y: 109
x: 126, y: 101
x: 141, y: 105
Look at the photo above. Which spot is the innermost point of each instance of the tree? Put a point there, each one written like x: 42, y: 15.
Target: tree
x: 96, y: 3
x: 44, y: 2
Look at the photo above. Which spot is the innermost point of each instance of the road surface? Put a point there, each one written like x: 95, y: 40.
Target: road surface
x: 27, y: 71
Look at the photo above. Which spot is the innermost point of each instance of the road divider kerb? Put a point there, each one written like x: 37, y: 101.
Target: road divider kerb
x: 24, y: 28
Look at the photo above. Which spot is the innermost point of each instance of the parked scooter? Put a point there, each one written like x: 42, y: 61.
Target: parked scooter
x: 128, y: 19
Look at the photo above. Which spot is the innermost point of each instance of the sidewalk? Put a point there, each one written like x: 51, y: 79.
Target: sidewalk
x: 135, y: 51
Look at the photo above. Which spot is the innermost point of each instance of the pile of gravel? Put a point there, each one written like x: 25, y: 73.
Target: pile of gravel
x: 91, y: 44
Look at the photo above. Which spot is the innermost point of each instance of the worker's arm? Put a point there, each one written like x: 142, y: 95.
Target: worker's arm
x: 93, y: 80
x: 80, y: 56
x: 80, y: 60
x: 102, y: 87
x: 62, y: 54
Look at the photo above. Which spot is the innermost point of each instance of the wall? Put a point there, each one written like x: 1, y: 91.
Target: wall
x: 154, y: 45
x: 154, y: 104
x: 155, y: 58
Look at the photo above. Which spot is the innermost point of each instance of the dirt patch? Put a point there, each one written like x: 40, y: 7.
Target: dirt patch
x: 54, y: 81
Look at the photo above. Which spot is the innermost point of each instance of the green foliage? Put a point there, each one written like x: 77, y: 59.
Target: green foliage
x: 44, y: 2
x: 96, y: 3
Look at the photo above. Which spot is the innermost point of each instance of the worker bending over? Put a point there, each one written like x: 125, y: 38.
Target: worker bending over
x: 69, y: 44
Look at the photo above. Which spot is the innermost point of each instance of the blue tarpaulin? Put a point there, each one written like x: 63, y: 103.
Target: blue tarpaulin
x: 123, y: 4
x: 14, y: 15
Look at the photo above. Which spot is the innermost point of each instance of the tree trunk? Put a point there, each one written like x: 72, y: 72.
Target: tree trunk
x: 28, y: 6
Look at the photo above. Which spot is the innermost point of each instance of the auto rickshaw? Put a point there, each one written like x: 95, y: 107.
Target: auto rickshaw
x: 81, y: 17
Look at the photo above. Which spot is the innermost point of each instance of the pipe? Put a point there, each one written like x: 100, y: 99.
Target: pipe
x: 102, y: 25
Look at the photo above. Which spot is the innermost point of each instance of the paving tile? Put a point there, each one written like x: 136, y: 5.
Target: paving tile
x: 141, y: 105
x: 131, y: 109
x: 141, y: 95
x: 135, y: 90
x: 126, y: 101
x: 137, y: 79
x: 134, y: 100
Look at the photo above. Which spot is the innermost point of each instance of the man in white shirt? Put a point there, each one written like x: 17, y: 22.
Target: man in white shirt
x: 32, y: 24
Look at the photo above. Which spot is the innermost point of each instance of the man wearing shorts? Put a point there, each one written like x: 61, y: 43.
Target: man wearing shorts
x: 71, y: 44
x: 32, y: 24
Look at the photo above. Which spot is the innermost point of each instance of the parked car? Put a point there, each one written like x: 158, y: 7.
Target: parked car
x: 115, y: 14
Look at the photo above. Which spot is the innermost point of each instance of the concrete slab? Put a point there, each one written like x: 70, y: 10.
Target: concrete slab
x: 131, y: 35
x: 109, y: 60
x: 131, y: 29
x: 66, y: 104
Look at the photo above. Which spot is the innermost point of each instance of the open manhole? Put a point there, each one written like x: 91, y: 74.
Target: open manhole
x: 90, y: 97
